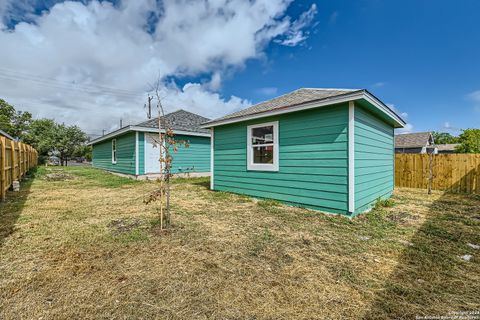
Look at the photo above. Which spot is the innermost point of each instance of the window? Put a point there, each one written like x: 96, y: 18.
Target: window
x: 262, y: 147
x: 114, y: 151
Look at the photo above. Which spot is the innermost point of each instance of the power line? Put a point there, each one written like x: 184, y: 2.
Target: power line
x: 39, y: 77
x: 70, y: 86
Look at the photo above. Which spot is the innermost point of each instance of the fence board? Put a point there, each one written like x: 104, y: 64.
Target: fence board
x: 16, y: 159
x: 451, y: 172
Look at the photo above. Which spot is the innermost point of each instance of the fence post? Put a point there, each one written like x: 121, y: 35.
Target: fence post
x: 2, y: 169
x: 430, y: 173
x: 12, y: 145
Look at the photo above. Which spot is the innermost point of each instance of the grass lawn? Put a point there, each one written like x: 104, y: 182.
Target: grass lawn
x: 88, y: 248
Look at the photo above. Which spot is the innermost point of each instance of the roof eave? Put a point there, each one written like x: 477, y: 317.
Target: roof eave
x: 143, y: 129
x: 356, y: 95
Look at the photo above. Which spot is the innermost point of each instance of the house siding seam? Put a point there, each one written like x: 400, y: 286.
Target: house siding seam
x: 374, y: 163
x: 102, y: 154
x: 195, y: 158
x: 313, y: 160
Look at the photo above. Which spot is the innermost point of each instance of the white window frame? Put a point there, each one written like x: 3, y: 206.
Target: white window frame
x: 263, y: 166
x: 114, y: 151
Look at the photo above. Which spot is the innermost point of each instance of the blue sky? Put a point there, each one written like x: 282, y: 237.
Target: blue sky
x: 419, y: 56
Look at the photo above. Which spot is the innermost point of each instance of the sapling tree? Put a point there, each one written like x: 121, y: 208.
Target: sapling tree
x: 167, y: 144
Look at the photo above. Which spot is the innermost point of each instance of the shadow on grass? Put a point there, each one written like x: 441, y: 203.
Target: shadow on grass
x: 203, y: 182
x: 431, y: 278
x: 11, y: 209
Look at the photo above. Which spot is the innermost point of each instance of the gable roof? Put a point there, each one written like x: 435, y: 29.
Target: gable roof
x: 304, y: 98
x: 413, y: 140
x: 181, y: 121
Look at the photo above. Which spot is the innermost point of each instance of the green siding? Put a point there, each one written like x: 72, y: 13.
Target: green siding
x: 141, y: 153
x: 102, y: 154
x: 195, y: 158
x: 312, y: 160
x: 374, y: 159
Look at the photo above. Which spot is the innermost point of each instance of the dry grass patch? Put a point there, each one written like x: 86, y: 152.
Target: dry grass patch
x: 89, y: 248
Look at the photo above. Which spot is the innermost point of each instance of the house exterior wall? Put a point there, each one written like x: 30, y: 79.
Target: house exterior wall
x: 141, y: 152
x: 374, y: 159
x: 313, y: 160
x: 102, y: 154
x: 195, y: 158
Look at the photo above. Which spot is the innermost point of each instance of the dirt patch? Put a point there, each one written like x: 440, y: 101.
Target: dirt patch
x: 126, y: 225
x: 58, y: 175
x: 401, y: 217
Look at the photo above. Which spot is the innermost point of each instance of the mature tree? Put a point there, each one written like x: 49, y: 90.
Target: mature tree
x: 444, y: 138
x: 469, y: 141
x: 51, y: 138
x: 15, y: 123
x: 68, y: 139
x: 42, y: 136
x: 83, y: 151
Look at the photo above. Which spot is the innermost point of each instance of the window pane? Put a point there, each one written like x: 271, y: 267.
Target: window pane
x: 263, y: 154
x: 262, y: 135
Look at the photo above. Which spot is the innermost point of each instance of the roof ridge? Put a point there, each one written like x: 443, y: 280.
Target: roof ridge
x: 429, y: 132
x: 332, y: 89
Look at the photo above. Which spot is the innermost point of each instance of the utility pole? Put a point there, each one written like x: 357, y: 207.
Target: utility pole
x: 149, y: 112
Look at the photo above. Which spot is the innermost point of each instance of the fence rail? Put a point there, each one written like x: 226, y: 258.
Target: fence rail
x: 450, y: 172
x: 16, y: 159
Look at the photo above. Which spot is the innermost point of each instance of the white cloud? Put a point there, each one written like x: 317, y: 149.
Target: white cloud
x: 296, y: 34
x: 90, y: 64
x: 475, y: 98
x: 407, y: 129
x: 378, y: 84
x: 267, y: 91
x: 404, y: 115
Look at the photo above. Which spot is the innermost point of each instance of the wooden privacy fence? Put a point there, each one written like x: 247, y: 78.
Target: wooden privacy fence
x: 16, y: 159
x: 450, y: 172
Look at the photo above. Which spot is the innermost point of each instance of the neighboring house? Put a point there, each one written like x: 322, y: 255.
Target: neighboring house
x: 447, y: 148
x: 325, y: 149
x: 134, y: 150
x: 6, y: 135
x: 420, y: 142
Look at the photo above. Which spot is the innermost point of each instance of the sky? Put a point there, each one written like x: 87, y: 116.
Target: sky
x: 92, y: 63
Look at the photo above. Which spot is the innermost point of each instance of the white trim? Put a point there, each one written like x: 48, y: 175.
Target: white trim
x: 263, y: 167
x: 212, y: 154
x: 136, y: 154
x: 316, y: 104
x: 351, y: 157
x: 144, y: 153
x: 114, y: 158
x: 144, y: 129
x: 187, y: 133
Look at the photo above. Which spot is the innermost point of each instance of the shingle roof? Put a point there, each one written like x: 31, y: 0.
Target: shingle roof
x: 179, y: 120
x: 296, y: 97
x: 6, y: 135
x: 411, y: 140
x: 447, y: 146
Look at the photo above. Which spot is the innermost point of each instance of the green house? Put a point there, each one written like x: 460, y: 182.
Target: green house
x: 134, y: 150
x: 325, y: 149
